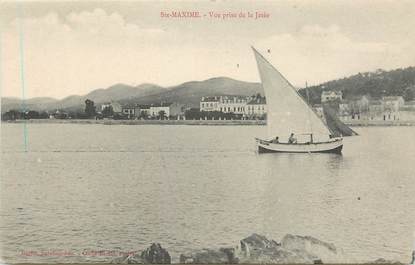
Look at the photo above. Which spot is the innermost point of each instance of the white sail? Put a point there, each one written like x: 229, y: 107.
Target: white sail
x: 287, y: 111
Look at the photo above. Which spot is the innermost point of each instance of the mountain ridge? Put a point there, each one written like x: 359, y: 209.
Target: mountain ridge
x: 188, y: 93
x: 376, y: 84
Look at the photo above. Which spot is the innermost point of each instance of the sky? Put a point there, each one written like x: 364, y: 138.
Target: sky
x: 67, y: 48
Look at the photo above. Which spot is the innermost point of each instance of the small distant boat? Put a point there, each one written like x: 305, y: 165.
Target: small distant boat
x: 290, y: 115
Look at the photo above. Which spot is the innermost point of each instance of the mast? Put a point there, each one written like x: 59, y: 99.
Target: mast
x: 309, y: 112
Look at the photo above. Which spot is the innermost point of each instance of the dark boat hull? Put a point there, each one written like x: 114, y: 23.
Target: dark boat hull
x: 336, y: 150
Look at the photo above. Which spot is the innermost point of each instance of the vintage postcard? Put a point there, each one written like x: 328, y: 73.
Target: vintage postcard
x: 202, y: 132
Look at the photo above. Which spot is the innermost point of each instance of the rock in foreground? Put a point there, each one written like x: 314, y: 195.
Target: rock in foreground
x: 155, y: 254
x: 307, y: 244
x: 209, y: 256
x: 385, y: 261
x: 259, y: 249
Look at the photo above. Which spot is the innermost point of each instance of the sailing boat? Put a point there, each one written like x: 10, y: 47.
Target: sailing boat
x: 289, y: 116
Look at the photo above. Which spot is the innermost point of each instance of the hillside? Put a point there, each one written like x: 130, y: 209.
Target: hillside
x: 41, y: 103
x: 116, y: 92
x: 376, y: 84
x: 190, y: 93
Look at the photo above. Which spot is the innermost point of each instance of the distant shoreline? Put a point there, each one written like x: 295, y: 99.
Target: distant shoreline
x: 380, y: 123
x: 357, y: 123
x: 143, y: 122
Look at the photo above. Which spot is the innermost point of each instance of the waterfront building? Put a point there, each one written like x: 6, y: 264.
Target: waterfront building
x: 131, y: 110
x: 116, y: 107
x: 144, y: 110
x: 257, y: 107
x: 158, y: 108
x: 375, y: 106
x: 393, y: 103
x: 58, y: 114
x: 105, y: 105
x: 210, y: 103
x: 169, y: 109
x: 359, y: 104
x: 226, y: 104
x: 233, y: 104
x: 331, y: 95
x: 409, y: 106
x: 128, y: 110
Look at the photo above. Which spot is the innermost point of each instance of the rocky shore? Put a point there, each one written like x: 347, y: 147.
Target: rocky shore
x: 253, y: 249
x: 259, y: 249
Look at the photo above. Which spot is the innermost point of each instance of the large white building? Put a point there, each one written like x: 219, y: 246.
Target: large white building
x: 225, y: 104
x: 257, y: 107
x: 210, y: 103
x: 169, y: 109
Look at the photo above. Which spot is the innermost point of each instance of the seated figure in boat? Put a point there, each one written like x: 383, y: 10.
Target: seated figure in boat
x: 276, y: 140
x: 292, y: 139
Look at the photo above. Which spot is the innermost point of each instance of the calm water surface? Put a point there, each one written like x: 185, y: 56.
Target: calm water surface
x: 120, y: 188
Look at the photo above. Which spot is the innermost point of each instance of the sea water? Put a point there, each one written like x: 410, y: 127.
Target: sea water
x: 85, y: 188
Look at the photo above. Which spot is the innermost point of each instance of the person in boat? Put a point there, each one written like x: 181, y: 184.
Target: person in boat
x: 292, y: 139
x: 276, y: 140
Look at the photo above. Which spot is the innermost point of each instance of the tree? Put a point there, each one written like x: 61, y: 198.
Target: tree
x: 32, y: 114
x: 89, y: 108
x: 107, y: 112
x: 162, y: 114
x: 11, y: 115
x: 193, y: 114
x: 409, y: 93
x: 143, y: 114
x: 43, y: 115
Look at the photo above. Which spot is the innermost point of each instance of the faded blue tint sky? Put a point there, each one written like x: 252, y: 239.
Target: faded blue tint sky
x: 75, y: 47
